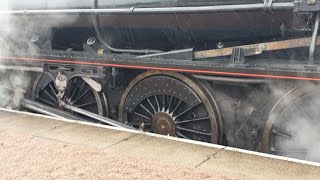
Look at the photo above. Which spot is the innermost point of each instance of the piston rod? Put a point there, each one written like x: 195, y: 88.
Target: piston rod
x: 95, y: 116
x: 47, y: 110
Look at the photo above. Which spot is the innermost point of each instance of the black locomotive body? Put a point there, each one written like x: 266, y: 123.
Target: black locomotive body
x: 168, y: 31
x: 239, y: 73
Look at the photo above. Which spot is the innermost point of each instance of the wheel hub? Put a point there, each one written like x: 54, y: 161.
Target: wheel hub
x: 162, y: 123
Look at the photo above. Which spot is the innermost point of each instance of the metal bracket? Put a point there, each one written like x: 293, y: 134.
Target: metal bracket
x: 61, y: 83
x: 61, y: 74
x: 310, y: 68
x: 314, y: 40
x: 237, y: 56
x: 71, y: 71
x: 268, y: 6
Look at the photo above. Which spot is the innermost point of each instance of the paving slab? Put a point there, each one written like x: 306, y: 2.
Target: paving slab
x: 86, y: 135
x: 241, y: 164
x: 27, y: 123
x: 166, y: 150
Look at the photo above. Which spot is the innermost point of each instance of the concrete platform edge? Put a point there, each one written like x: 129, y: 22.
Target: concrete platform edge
x: 223, y: 148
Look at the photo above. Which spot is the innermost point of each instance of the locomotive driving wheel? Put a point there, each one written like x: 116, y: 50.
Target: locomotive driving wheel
x: 78, y: 93
x: 170, y: 104
x: 293, y: 127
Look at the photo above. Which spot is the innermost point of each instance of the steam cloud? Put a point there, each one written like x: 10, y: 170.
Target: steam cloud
x: 12, y: 83
x: 15, y: 35
x: 300, y: 121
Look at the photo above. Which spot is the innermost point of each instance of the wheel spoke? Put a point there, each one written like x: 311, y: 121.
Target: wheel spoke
x: 51, y: 97
x: 282, y: 134
x: 193, y: 131
x: 163, y: 103
x: 81, y: 96
x: 52, y: 89
x: 157, y: 102
x: 181, y: 135
x: 170, y: 104
x: 143, y: 116
x: 187, y: 110
x: 75, y: 80
x: 82, y: 86
x: 146, y: 109
x: 176, y: 107
x: 86, y: 104
x: 45, y: 101
x: 192, y: 120
x: 73, y: 93
x: 154, y: 109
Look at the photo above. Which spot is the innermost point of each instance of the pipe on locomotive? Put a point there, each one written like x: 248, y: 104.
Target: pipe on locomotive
x: 96, y: 23
x: 231, y: 79
x: 161, y: 10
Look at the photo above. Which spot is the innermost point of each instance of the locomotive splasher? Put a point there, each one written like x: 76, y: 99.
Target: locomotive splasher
x: 242, y: 74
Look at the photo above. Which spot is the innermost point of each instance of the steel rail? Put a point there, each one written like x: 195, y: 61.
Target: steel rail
x: 157, y: 10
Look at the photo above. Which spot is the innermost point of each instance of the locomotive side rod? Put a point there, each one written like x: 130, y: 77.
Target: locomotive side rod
x: 161, y: 10
x: 96, y: 116
x: 47, y: 110
x: 255, y: 49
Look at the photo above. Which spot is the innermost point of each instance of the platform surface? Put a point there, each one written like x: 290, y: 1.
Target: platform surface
x: 214, y: 161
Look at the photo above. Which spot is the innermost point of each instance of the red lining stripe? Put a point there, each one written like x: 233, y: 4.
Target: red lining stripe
x: 162, y: 69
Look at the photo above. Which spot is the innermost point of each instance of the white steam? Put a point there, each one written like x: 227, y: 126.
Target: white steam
x: 12, y: 83
x: 297, y: 128
x: 15, y: 35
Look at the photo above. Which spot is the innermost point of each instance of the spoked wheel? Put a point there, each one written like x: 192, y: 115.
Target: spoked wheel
x: 78, y: 93
x: 169, y: 104
x: 293, y: 127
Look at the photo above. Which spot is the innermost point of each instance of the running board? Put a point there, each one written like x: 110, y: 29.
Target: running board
x: 256, y: 49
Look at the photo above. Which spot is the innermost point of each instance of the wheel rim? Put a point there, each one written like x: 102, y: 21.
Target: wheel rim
x: 151, y: 103
x: 292, y: 129
x: 78, y: 93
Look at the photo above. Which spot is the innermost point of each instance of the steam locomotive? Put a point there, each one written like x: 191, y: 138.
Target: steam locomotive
x: 238, y: 73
